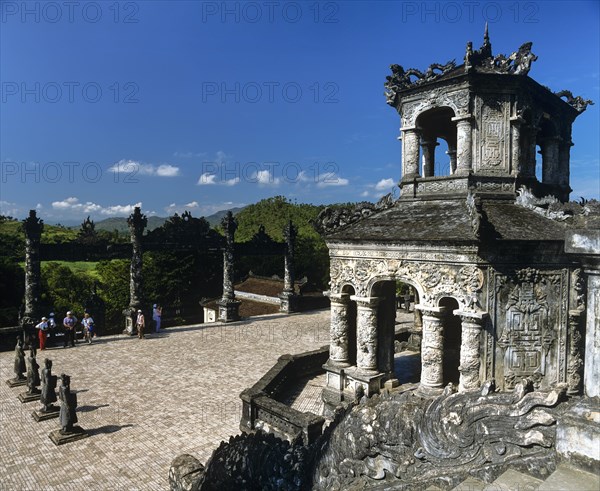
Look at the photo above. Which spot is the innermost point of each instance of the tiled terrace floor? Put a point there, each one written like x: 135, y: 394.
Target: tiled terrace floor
x: 145, y: 402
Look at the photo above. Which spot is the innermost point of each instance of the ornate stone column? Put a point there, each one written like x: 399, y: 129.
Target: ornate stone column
x: 228, y: 305
x: 338, y: 331
x: 451, y: 152
x: 432, y: 348
x: 550, y: 160
x: 564, y: 158
x: 470, y: 355
x: 428, y: 150
x: 410, y: 152
x: 366, y: 333
x: 288, y: 298
x: 464, y: 143
x: 137, y: 223
x: 517, y: 161
x: 33, y: 228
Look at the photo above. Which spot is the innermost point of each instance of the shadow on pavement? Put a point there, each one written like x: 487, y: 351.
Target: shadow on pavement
x: 107, y: 429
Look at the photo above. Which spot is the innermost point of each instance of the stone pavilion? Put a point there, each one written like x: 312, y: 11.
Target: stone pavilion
x: 500, y: 299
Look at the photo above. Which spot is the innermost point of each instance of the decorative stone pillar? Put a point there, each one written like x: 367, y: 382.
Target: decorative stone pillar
x: 338, y: 331
x: 575, y: 359
x: 464, y: 143
x: 432, y: 348
x: 428, y: 149
x: 584, y: 244
x: 517, y: 160
x: 410, y: 153
x: 228, y: 305
x: 529, y: 157
x: 288, y: 298
x: 137, y: 223
x: 366, y: 333
x: 33, y: 228
x: 451, y: 152
x: 470, y: 355
x: 564, y: 158
x: 550, y: 160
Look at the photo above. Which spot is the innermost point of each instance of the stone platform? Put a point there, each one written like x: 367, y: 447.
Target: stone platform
x: 144, y: 402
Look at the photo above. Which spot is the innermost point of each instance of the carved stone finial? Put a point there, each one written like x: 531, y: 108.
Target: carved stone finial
x: 229, y: 225
x: 579, y: 103
x: 401, y: 79
x: 33, y: 226
x: 136, y: 221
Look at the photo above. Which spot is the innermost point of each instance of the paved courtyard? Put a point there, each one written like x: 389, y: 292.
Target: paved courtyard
x: 144, y: 402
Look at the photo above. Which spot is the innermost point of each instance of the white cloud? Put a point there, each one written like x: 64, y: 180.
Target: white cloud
x: 175, y: 208
x: 385, y: 185
x: 265, y: 178
x: 201, y: 210
x: 9, y: 209
x: 133, y: 168
x: 380, y: 188
x: 331, y: 179
x: 72, y: 204
x: 167, y: 170
x: 207, y: 179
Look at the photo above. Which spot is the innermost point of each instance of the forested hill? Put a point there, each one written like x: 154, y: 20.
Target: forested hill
x: 274, y: 213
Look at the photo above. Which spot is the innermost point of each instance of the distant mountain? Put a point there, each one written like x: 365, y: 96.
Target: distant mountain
x: 120, y: 223
x: 215, y: 218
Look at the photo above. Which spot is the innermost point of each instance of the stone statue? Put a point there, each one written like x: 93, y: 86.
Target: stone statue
x: 48, y: 395
x: 33, y: 374
x: 19, y: 366
x: 68, y: 404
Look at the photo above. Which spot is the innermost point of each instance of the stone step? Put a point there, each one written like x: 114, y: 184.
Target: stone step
x: 566, y: 478
x: 513, y: 480
x: 470, y: 484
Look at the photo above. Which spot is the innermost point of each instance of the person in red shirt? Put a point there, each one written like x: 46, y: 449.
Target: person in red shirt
x: 42, y: 328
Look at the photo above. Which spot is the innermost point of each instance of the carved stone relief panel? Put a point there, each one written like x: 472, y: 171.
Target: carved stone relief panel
x: 432, y: 280
x: 531, y: 327
x: 492, y: 115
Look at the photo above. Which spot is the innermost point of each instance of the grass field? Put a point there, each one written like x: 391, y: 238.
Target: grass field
x: 86, y: 267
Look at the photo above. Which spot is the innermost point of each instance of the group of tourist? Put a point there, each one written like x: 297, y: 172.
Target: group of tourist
x: 48, y: 326
x: 140, y: 322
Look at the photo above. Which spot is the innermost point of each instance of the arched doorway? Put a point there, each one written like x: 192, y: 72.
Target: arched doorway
x: 452, y: 340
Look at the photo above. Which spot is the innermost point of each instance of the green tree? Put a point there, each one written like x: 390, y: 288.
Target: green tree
x: 63, y: 290
x: 12, y: 289
x: 114, y: 290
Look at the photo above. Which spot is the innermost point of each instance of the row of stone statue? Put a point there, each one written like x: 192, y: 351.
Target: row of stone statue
x: 47, y: 393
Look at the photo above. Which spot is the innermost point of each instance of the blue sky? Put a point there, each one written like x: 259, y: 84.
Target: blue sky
x: 208, y: 105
